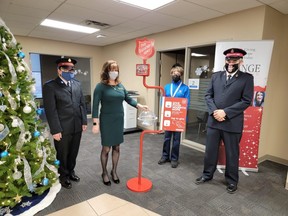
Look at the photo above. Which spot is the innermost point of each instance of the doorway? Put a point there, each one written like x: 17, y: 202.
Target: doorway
x: 199, y: 70
x: 166, y: 60
x: 198, y: 63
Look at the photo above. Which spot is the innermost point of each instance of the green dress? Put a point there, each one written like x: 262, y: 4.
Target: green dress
x: 111, y: 115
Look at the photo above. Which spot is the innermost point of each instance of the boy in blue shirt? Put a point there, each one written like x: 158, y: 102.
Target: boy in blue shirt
x: 174, y: 89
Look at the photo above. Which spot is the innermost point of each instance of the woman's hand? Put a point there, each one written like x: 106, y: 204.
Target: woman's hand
x: 95, y: 129
x: 143, y: 107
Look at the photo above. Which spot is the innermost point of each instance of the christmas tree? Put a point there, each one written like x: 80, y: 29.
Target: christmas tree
x: 28, y: 163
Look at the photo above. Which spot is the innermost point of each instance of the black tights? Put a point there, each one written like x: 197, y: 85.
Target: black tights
x: 104, y: 160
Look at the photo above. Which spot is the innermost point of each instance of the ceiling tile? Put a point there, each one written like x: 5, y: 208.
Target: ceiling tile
x: 23, y: 17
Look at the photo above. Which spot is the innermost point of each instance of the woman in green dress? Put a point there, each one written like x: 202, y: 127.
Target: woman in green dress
x: 110, y: 93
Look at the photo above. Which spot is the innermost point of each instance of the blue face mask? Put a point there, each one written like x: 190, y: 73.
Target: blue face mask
x: 67, y: 75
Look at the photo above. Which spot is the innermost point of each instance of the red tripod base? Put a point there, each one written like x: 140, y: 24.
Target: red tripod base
x: 143, y: 185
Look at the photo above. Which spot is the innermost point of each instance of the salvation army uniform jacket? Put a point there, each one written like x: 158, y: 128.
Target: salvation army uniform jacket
x: 233, y: 96
x: 64, y: 106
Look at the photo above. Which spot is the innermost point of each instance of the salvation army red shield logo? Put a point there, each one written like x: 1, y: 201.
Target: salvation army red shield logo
x: 145, y: 48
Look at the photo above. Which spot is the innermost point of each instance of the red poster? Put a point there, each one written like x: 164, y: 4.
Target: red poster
x: 174, y: 111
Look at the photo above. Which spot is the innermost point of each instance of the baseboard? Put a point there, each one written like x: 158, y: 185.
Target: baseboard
x: 286, y: 187
x: 273, y: 159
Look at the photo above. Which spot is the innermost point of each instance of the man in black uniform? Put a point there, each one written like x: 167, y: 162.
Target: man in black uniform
x: 65, y: 110
x: 230, y: 92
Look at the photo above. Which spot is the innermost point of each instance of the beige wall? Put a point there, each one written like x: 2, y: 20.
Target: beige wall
x: 274, y: 134
x: 247, y: 25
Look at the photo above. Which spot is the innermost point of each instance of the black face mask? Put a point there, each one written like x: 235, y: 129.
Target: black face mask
x: 175, y: 78
x: 235, y: 68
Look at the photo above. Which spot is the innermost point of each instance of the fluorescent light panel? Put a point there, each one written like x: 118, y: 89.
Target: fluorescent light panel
x: 68, y: 26
x: 147, y: 4
x: 197, y: 55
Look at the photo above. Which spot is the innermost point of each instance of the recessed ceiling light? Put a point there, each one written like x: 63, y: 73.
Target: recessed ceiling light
x: 68, y: 26
x: 147, y: 4
x: 100, y: 36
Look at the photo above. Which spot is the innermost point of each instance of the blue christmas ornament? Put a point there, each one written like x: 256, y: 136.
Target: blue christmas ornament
x: 45, y: 181
x: 4, y: 154
x: 36, y: 134
x: 39, y: 111
x: 57, y: 162
x: 21, y: 55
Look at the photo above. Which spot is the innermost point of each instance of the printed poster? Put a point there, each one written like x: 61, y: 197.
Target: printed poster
x: 173, y: 114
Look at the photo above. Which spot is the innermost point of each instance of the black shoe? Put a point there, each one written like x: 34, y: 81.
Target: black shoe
x: 74, y: 177
x: 231, y: 188
x: 107, y: 183
x: 201, y: 180
x: 163, y: 160
x: 116, y: 181
x: 174, y: 164
x: 66, y: 184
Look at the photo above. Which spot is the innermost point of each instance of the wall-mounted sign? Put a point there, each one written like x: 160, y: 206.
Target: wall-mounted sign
x: 193, y: 83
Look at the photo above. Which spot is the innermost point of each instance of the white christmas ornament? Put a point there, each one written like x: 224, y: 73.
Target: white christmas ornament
x: 2, y: 127
x: 17, y: 175
x: 4, y: 45
x: 3, y: 107
x: 20, y: 68
x: 33, y: 89
x: 27, y: 109
x: 41, y: 138
x: 18, y: 90
x: 2, y: 73
x: 39, y: 152
x: 15, y: 123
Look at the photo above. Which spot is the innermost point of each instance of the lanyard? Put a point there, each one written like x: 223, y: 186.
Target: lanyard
x: 171, y: 89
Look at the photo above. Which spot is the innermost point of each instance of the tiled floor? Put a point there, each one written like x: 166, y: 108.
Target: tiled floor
x: 104, y: 205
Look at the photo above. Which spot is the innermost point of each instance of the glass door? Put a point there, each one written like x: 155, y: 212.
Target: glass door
x: 200, y: 63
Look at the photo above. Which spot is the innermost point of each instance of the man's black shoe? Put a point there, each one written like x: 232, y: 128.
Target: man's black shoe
x: 66, y: 184
x: 163, y: 160
x: 201, y: 180
x: 174, y: 164
x: 231, y: 188
x: 74, y: 177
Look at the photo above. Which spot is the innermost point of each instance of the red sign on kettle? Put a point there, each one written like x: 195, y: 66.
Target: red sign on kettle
x: 173, y: 114
x: 145, y: 48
